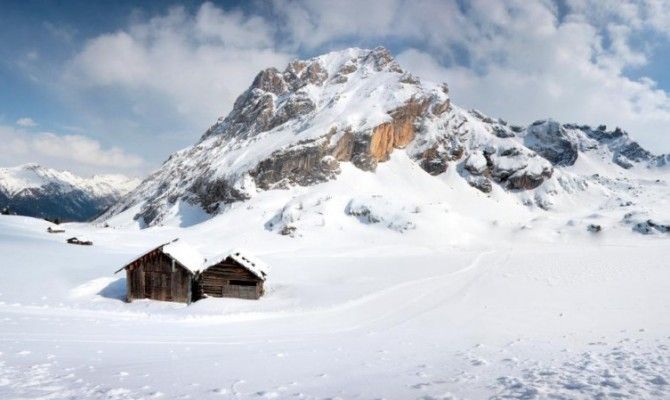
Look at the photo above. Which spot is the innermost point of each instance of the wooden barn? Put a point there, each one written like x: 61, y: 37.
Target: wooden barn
x: 168, y: 273
x: 237, y: 274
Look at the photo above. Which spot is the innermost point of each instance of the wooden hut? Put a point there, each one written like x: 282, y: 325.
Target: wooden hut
x: 237, y: 274
x: 167, y: 272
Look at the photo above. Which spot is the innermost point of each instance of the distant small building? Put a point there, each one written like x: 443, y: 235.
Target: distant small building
x: 83, y: 242
x: 177, y: 272
x: 167, y: 272
x: 237, y: 274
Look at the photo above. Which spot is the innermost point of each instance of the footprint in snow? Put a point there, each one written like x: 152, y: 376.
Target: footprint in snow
x: 421, y: 385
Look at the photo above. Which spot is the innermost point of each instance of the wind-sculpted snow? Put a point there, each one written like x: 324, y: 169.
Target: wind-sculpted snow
x: 378, y: 210
x: 299, y: 126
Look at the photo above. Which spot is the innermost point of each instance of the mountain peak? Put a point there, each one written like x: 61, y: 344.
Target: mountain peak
x: 308, y: 86
x: 29, y: 166
x: 34, y: 190
x: 300, y: 126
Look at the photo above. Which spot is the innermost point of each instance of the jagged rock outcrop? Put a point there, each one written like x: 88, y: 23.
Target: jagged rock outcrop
x: 550, y: 140
x: 480, y: 183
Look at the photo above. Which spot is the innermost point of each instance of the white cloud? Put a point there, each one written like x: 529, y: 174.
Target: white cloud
x: 26, y: 122
x: 198, y: 64
x: 75, y: 152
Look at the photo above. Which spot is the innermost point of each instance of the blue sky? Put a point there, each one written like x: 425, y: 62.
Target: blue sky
x: 117, y: 86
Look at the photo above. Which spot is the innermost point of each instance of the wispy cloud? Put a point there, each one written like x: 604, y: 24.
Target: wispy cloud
x: 75, y: 152
x: 198, y: 63
x: 26, y: 122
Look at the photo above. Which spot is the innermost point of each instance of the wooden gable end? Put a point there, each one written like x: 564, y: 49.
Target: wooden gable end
x: 228, y: 278
x: 158, y: 276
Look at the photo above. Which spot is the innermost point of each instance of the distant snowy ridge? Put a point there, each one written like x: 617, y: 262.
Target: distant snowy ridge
x: 38, y: 191
x: 298, y: 127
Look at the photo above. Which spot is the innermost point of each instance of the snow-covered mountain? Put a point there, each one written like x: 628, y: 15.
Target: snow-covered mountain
x: 37, y: 191
x: 319, y: 118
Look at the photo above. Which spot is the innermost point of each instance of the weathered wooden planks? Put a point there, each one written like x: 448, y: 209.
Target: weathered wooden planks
x: 228, y: 279
x: 157, y: 276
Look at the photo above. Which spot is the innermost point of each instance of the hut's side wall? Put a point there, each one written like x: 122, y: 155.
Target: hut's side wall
x: 228, y: 279
x: 155, y: 276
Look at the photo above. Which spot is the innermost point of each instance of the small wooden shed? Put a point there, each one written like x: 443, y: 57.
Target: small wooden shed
x: 237, y: 274
x: 167, y: 272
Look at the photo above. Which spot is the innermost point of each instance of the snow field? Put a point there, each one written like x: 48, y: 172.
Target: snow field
x: 482, y: 298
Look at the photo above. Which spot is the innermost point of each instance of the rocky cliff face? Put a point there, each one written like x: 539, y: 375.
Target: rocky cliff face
x: 35, y: 191
x: 296, y: 127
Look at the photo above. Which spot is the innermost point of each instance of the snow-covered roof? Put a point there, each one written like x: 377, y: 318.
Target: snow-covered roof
x: 245, y: 259
x: 179, y: 251
x: 185, y: 255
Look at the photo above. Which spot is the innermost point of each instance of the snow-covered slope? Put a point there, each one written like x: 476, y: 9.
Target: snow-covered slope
x: 305, y: 125
x: 37, y: 191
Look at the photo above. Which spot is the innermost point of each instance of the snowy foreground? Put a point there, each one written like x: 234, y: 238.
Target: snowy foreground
x: 429, y: 299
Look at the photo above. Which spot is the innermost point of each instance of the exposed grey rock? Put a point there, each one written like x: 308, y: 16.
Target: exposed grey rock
x: 526, y: 180
x: 348, y: 68
x: 270, y: 80
x: 594, y: 228
x: 481, y: 116
x: 634, y: 152
x: 383, y: 59
x: 509, y: 151
x: 302, y: 165
x: 476, y: 163
x: 409, y: 79
x: 549, y: 139
x: 211, y: 192
x: 481, y: 183
x: 625, y: 151
x: 433, y: 162
x: 376, y: 210
x: 622, y: 161
x: 502, y: 132
x: 294, y: 107
x: 649, y: 226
